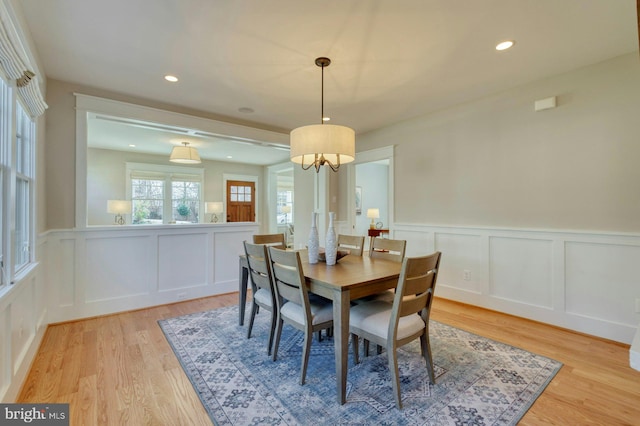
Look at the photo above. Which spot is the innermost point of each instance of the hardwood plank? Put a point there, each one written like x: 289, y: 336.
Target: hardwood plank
x: 119, y: 369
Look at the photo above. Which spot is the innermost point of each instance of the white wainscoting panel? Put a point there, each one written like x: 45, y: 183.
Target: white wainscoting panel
x: 183, y: 261
x: 603, y: 281
x: 520, y: 270
x: 103, y: 270
x: 462, y: 267
x: 23, y: 321
x: 228, y: 246
x: 584, y: 281
x: 117, y: 267
x: 5, y: 345
x: 60, y: 260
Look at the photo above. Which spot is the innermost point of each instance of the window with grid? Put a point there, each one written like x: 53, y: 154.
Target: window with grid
x: 5, y: 173
x: 164, y: 194
x: 185, y: 199
x: 24, y: 188
x: 17, y: 181
x: 284, y: 206
x: 147, y: 200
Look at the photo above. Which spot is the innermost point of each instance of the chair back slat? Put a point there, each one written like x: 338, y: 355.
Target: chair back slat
x: 416, y: 286
x: 384, y: 248
x: 259, y: 269
x: 274, y: 240
x: 353, y: 243
x: 287, y: 276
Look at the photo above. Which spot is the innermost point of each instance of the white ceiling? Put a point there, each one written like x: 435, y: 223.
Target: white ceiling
x: 391, y: 60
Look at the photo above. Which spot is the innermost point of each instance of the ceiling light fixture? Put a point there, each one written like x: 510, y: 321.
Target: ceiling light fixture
x: 319, y: 144
x: 504, y: 45
x: 184, y: 154
x: 171, y: 78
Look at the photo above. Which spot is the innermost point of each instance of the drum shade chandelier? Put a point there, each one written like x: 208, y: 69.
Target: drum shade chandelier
x: 322, y: 144
x: 184, y: 154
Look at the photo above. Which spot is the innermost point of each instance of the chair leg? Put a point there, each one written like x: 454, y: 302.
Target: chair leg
x: 366, y: 347
x: 254, y: 310
x: 379, y: 349
x: 319, y: 335
x: 308, y: 336
x: 276, y: 341
x: 355, y: 343
x: 271, y: 332
x: 426, y: 350
x: 392, y: 357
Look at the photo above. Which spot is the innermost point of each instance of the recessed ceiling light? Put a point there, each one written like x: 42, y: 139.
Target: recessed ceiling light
x: 171, y: 78
x: 132, y: 145
x: 504, y: 45
x: 245, y: 110
x: 326, y: 118
x: 228, y: 156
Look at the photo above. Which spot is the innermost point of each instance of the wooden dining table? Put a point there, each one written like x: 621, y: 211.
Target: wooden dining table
x: 351, y: 278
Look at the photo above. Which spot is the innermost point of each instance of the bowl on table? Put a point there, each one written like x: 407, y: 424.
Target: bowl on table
x: 339, y: 255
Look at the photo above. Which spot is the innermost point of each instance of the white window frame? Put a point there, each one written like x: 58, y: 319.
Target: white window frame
x: 168, y: 173
x: 27, y: 136
x: 10, y: 272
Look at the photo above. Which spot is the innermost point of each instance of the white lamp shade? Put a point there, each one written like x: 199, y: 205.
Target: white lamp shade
x: 373, y: 213
x: 285, y: 209
x: 118, y: 206
x: 185, y: 155
x: 326, y: 139
x: 213, y: 207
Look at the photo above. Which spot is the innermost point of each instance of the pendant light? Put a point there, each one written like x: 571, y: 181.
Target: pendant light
x: 184, y: 154
x: 322, y: 144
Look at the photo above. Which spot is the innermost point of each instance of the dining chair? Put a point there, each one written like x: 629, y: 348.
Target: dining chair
x: 385, y: 248
x: 353, y: 243
x: 276, y: 240
x: 393, y: 325
x: 294, y: 306
x: 262, y: 288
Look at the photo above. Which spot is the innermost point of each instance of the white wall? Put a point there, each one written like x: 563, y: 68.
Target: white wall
x: 497, y: 162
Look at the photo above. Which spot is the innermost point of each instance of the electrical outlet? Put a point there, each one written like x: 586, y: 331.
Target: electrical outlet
x: 466, y: 275
x: 181, y: 296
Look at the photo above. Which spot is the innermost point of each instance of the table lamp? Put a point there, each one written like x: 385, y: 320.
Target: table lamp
x: 373, y: 214
x: 286, y: 210
x: 213, y: 207
x: 119, y: 207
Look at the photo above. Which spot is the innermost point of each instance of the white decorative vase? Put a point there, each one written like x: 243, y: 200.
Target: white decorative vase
x: 313, y: 245
x: 331, y: 246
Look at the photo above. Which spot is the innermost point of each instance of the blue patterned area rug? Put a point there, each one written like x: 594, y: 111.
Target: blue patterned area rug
x: 478, y: 381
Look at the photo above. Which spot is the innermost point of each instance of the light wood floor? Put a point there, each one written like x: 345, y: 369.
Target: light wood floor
x: 120, y: 370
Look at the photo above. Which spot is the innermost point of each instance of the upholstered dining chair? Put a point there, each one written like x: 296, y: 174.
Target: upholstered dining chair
x: 264, y: 295
x: 395, y: 324
x: 295, y: 307
x: 353, y: 243
x: 276, y: 240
